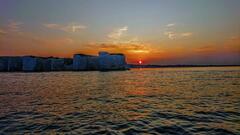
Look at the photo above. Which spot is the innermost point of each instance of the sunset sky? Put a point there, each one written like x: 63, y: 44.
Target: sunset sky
x: 154, y: 31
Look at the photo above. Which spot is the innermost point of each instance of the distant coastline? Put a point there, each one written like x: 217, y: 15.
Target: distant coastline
x: 176, y: 66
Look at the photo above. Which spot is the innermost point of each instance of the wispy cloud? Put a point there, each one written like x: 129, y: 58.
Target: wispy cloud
x: 2, y: 32
x: 186, y: 34
x: 170, y: 34
x: 76, y: 28
x: 170, y: 25
x: 233, y: 38
x: 52, y: 25
x: 73, y: 27
x: 14, y: 26
x: 174, y: 35
x: 205, y: 49
x: 116, y: 34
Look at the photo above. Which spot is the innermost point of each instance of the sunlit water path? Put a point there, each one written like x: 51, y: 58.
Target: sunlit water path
x: 155, y: 101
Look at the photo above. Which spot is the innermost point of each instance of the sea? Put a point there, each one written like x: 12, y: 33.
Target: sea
x: 171, y: 101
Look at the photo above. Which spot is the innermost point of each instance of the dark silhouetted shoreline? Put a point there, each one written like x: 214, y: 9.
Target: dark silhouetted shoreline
x: 176, y: 66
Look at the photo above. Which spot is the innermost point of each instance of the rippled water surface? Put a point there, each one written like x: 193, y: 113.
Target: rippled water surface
x: 139, y: 101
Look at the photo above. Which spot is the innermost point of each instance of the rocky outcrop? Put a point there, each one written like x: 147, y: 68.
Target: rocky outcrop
x: 68, y: 64
x: 14, y: 64
x: 3, y: 64
x: 57, y: 64
x: 92, y: 63
x: 32, y: 64
x: 83, y: 62
x: 80, y: 62
x: 111, y: 61
x: 104, y: 62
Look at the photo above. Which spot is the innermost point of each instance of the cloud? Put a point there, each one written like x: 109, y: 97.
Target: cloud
x: 121, y: 47
x: 76, y: 28
x: 171, y: 35
x: 67, y: 40
x: 206, y: 49
x: 14, y: 26
x: 170, y: 25
x: 118, y: 42
x: 131, y: 46
x: 52, y: 25
x: 2, y: 32
x: 235, y: 38
x: 232, y: 44
x: 140, y: 51
x: 171, y: 32
x: 116, y: 34
x: 73, y: 27
x: 186, y: 34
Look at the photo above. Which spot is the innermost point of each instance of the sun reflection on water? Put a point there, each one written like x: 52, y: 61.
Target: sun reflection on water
x: 191, y: 97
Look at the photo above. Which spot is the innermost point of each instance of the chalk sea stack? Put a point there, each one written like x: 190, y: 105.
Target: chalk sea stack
x: 103, y: 62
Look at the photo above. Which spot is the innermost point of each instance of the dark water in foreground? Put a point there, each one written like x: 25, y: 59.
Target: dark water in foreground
x: 147, y: 101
